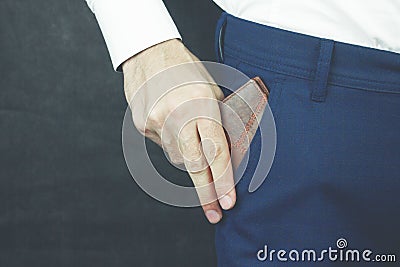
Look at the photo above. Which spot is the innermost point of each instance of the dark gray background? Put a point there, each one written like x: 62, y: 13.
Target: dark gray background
x: 66, y: 196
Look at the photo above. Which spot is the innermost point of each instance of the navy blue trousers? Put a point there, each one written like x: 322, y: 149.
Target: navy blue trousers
x: 336, y: 172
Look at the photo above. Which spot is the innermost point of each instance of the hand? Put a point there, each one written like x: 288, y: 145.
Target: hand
x: 201, y: 143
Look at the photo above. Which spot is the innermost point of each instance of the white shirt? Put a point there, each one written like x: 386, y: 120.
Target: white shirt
x: 130, y: 26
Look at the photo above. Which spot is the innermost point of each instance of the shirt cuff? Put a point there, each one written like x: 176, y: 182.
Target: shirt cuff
x: 131, y: 26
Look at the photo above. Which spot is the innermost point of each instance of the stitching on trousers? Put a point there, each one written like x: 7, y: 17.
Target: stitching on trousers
x: 306, y: 72
x: 239, y: 143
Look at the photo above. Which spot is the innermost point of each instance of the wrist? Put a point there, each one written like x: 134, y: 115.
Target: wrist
x: 158, y: 57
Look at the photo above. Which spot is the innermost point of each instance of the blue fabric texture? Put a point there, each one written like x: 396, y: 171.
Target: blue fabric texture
x: 336, y: 172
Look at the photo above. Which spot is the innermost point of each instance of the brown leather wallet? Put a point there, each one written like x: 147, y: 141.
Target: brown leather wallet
x: 241, y: 112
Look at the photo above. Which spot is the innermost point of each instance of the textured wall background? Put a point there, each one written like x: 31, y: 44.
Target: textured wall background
x: 66, y: 197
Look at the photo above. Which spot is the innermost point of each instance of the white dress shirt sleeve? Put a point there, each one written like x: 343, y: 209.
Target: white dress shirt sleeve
x: 131, y: 26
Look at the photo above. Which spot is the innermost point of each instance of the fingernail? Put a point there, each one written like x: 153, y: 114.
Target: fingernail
x: 212, y: 216
x: 226, y: 202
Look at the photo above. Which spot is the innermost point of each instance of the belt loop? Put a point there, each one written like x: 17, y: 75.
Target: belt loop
x: 320, y: 88
x: 218, y: 37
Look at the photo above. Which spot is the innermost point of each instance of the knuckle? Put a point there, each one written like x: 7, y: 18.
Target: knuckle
x: 193, y: 155
x: 199, y: 176
x: 175, y: 156
x: 188, y: 144
x: 209, y: 149
x: 175, y: 159
x: 154, y: 119
x: 171, y: 104
x: 197, y: 167
x: 202, y: 91
x: 220, y: 150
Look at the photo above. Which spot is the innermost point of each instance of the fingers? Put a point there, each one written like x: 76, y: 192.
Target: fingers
x: 196, y: 165
x: 207, y: 195
x: 216, y: 150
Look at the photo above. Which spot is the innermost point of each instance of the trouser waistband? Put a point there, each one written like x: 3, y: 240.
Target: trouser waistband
x: 320, y: 60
